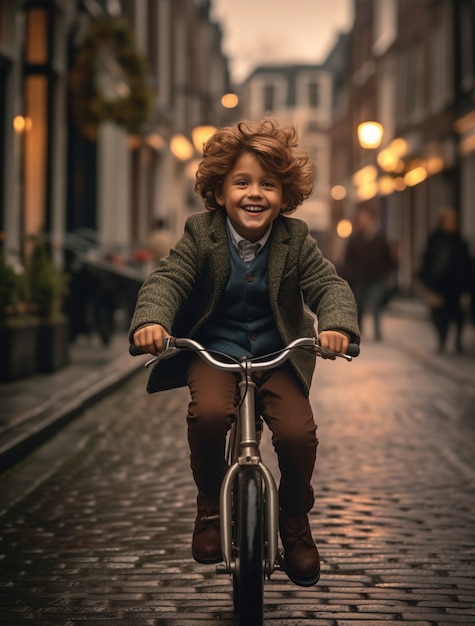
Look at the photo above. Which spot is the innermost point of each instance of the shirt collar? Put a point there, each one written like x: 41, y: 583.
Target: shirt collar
x: 236, y: 237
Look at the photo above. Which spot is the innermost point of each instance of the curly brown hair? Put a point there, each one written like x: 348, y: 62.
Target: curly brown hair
x: 274, y: 145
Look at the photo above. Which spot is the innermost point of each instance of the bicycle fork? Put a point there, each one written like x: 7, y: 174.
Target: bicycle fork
x: 249, y: 456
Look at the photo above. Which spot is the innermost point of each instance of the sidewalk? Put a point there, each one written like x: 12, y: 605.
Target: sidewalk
x: 406, y: 325
x: 33, y: 409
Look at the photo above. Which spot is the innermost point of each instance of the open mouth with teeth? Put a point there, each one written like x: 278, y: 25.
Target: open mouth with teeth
x: 254, y: 209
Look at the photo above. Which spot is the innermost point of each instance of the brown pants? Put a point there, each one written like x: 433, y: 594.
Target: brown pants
x: 285, y: 409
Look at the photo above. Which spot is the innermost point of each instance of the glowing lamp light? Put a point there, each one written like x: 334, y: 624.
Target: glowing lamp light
x: 386, y: 185
x: 370, y: 134
x: 399, y: 146
x: 365, y: 175
x: 181, y: 148
x: 201, y: 134
x: 367, y: 191
x: 338, y: 192
x: 344, y: 228
x: 22, y: 124
x: 156, y: 141
x: 230, y: 100
x: 134, y: 142
x: 387, y: 160
x: 435, y: 164
x: 415, y: 176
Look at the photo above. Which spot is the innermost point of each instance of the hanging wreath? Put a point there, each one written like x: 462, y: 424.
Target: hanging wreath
x: 109, y: 80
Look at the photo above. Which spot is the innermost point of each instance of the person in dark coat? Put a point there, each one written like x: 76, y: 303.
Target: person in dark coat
x: 368, y: 265
x: 445, y: 273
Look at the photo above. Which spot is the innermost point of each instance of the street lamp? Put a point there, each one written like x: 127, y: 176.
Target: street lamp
x: 370, y: 134
x: 366, y: 180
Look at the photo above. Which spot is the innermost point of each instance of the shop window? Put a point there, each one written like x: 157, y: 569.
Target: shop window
x: 36, y: 48
x: 35, y: 133
x: 35, y: 146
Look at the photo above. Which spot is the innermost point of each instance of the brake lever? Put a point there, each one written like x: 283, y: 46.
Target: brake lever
x: 169, y: 350
x: 329, y: 354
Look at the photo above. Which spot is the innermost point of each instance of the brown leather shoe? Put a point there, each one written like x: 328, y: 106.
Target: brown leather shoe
x: 301, y: 560
x: 206, y: 543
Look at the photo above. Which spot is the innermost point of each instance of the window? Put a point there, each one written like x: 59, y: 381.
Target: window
x: 269, y: 97
x: 412, y: 82
x: 36, y: 45
x: 38, y: 81
x: 385, y: 25
x: 313, y: 95
x: 440, y: 64
x: 466, y: 46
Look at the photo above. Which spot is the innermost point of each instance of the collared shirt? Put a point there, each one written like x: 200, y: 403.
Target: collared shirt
x: 247, y: 250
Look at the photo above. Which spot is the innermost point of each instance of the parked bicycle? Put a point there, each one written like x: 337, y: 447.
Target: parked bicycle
x: 249, y: 506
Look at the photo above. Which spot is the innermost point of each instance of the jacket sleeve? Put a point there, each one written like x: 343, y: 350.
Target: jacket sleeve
x: 326, y: 293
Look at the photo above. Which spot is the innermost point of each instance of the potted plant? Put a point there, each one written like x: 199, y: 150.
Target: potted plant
x: 48, y: 287
x: 18, y: 328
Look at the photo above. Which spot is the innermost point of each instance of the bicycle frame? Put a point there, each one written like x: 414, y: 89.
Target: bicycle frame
x: 248, y: 455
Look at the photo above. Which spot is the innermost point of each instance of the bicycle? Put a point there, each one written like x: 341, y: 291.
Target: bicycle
x: 249, y: 507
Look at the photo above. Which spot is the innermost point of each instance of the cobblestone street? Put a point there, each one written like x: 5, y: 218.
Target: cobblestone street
x: 96, y: 525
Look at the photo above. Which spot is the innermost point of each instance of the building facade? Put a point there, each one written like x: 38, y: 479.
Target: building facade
x: 58, y: 181
x: 298, y: 95
x: 409, y: 66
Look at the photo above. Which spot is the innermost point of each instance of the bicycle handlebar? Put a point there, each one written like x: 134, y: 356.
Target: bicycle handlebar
x: 173, y: 345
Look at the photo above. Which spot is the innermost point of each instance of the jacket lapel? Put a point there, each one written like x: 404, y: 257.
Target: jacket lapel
x: 220, y: 260
x: 278, y: 251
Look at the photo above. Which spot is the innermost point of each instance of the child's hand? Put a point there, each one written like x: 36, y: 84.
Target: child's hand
x: 333, y: 340
x: 150, y: 338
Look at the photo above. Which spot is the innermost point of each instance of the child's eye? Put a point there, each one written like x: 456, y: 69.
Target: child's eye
x: 268, y: 183
x: 241, y: 183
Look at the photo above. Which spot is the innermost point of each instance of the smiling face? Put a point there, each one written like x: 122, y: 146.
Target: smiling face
x: 252, y: 197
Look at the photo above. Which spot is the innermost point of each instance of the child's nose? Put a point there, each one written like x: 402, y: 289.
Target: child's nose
x: 254, y: 190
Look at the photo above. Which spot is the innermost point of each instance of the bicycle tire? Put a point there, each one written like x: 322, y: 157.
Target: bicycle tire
x: 248, y: 581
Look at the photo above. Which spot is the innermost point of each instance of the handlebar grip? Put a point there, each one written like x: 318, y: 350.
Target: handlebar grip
x: 134, y: 351
x: 353, y: 349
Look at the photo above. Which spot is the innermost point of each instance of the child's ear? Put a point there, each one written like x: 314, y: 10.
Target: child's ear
x: 219, y: 197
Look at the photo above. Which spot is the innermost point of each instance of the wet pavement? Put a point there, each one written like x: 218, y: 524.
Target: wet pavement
x: 96, y: 523
x: 33, y: 409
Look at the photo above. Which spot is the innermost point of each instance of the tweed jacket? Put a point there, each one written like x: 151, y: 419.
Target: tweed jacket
x: 182, y: 293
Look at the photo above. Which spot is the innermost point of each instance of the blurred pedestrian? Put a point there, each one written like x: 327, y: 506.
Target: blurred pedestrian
x: 368, y: 267
x: 445, y: 273
x: 159, y: 242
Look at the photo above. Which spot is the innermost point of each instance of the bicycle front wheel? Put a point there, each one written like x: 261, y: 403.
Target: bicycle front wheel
x: 249, y: 576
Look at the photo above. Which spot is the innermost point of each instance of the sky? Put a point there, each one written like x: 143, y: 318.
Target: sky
x: 279, y: 31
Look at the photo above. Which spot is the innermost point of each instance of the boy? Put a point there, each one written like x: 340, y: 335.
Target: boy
x: 237, y: 282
